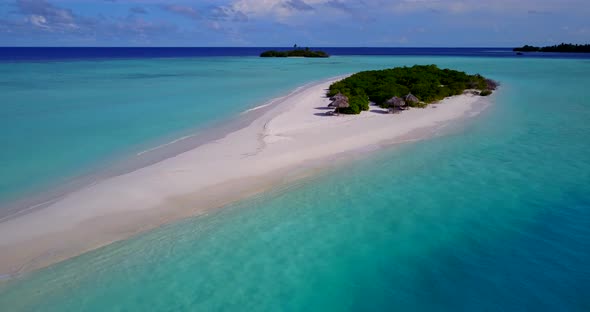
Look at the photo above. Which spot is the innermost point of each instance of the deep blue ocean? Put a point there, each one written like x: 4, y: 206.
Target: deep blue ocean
x: 492, y: 216
x: 85, y: 53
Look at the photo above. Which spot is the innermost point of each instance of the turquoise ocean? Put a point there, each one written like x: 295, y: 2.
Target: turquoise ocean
x: 492, y: 216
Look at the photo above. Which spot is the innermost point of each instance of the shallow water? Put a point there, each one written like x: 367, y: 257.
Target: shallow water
x: 64, y: 119
x: 493, y: 216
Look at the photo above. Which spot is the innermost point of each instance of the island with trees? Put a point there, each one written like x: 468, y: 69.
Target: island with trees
x: 402, y: 87
x: 561, y: 48
x: 296, y: 52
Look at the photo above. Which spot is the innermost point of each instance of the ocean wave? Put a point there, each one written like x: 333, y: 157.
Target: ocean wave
x: 166, y: 144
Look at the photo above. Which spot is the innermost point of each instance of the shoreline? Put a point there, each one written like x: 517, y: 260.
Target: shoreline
x: 288, y: 139
x: 140, y: 156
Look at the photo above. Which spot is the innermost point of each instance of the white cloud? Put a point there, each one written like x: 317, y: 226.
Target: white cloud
x: 186, y: 11
x: 284, y: 9
x: 277, y: 8
x: 38, y: 20
x: 47, y: 16
x: 496, y: 6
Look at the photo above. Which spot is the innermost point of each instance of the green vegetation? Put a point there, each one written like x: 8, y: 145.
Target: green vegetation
x: 485, y: 93
x: 427, y: 82
x: 296, y: 52
x: 564, y: 47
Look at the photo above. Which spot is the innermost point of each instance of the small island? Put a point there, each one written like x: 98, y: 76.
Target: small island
x: 296, y: 52
x: 561, y: 48
x: 403, y: 87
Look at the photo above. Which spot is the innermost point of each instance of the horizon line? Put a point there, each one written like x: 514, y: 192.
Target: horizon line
x: 257, y: 47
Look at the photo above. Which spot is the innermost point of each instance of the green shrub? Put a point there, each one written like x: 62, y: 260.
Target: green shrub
x: 419, y: 105
x: 358, y: 103
x: 297, y: 52
x: 427, y: 82
x: 485, y: 93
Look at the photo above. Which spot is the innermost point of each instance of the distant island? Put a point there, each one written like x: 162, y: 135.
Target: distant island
x: 296, y: 52
x: 562, y: 48
x: 402, y: 87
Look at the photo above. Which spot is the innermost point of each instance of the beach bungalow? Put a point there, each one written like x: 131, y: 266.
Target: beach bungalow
x: 338, y: 96
x: 411, y: 99
x: 338, y: 103
x: 395, y: 104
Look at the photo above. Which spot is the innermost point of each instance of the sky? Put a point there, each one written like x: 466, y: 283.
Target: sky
x: 274, y: 23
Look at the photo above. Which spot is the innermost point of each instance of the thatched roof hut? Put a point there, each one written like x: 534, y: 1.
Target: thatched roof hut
x: 491, y: 84
x: 338, y: 100
x: 395, y: 103
x: 410, y: 98
x: 339, y: 103
x: 338, y: 96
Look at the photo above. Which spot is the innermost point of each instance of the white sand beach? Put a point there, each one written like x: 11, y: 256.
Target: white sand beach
x: 293, y: 133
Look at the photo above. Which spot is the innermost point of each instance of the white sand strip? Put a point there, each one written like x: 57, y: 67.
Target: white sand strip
x: 293, y: 133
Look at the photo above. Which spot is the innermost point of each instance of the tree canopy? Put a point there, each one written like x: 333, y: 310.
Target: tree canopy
x: 294, y: 53
x: 427, y: 82
x: 564, y: 47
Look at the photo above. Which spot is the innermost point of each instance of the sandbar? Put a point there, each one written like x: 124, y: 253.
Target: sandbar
x: 291, y: 134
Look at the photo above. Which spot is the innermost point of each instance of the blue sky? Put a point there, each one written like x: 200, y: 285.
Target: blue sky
x: 397, y: 23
